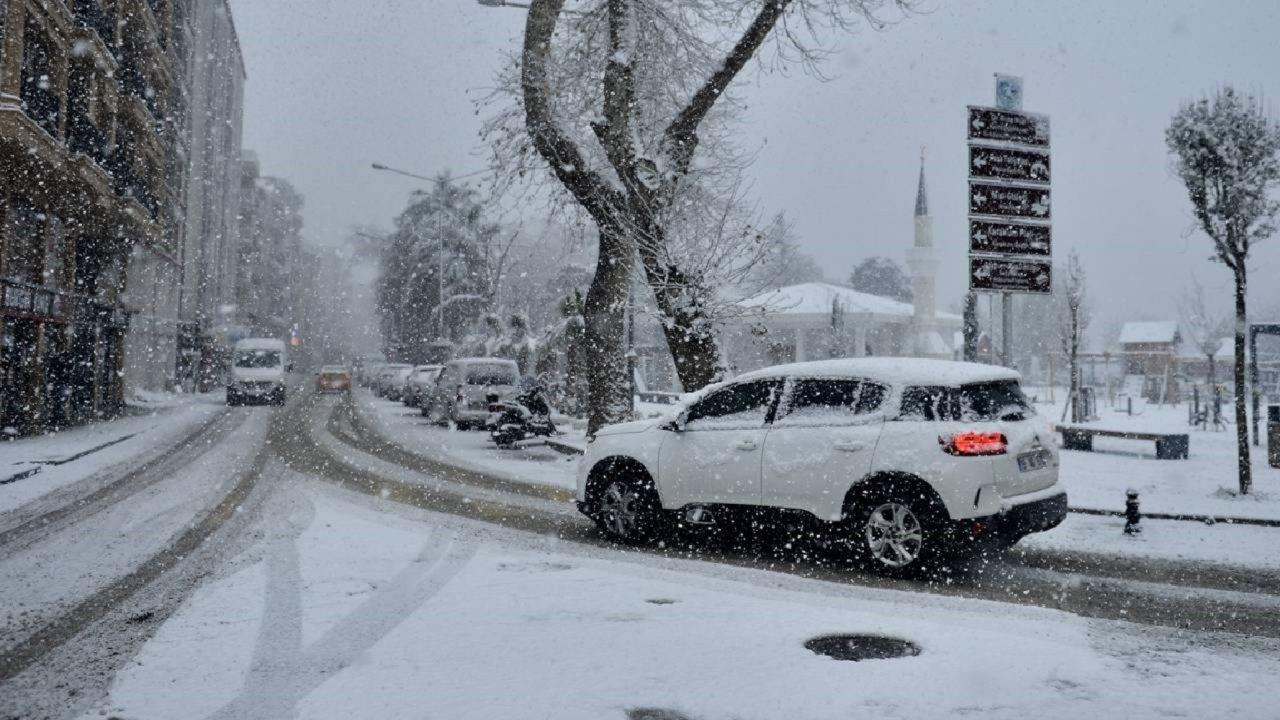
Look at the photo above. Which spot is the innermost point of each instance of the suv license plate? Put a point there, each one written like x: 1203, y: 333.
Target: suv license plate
x: 1033, y: 460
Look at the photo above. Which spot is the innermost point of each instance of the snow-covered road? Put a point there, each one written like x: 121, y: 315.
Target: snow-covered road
x: 339, y: 573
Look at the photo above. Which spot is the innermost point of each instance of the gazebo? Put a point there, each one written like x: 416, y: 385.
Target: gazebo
x: 816, y: 320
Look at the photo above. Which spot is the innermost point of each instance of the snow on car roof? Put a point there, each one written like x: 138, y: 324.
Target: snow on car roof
x: 893, y: 370
x: 483, y: 360
x: 259, y: 344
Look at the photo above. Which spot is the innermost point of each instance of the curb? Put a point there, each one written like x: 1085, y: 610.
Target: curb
x: 1186, y: 517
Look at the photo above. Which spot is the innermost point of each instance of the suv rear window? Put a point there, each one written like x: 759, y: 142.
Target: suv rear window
x: 1001, y: 400
x: 257, y: 359
x: 491, y: 374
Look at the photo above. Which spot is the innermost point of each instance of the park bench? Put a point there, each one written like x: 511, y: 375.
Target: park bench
x: 1169, y: 446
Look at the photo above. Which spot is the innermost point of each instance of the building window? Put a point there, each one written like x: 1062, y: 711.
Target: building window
x: 24, y: 242
x: 39, y: 98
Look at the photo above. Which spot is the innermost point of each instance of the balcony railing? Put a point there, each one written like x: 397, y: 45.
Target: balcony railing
x: 41, y: 104
x: 84, y: 138
x: 91, y: 15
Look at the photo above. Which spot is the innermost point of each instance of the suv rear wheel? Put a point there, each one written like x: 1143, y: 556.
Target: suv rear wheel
x: 895, y: 531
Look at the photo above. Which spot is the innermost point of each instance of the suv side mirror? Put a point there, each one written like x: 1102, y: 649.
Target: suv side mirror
x: 676, y: 424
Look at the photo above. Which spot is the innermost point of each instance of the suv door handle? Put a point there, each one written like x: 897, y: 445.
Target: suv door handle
x: 747, y: 444
x: 850, y: 445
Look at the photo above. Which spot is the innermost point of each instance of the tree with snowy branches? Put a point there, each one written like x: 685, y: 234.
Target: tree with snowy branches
x: 627, y: 104
x: 1226, y: 151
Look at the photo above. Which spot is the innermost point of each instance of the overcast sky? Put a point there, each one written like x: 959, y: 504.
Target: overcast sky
x: 337, y: 84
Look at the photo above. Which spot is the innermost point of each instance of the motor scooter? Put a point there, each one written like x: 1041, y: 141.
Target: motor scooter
x: 525, y: 417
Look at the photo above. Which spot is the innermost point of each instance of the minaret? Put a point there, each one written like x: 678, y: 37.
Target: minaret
x: 924, y: 266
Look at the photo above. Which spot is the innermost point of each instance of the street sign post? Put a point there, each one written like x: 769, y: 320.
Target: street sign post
x: 1010, y: 241
x: 1011, y: 201
x: 1002, y: 163
x: 1008, y: 275
x: 987, y: 237
x: 1007, y: 126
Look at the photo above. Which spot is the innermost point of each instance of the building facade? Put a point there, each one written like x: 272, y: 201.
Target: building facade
x: 155, y: 41
x: 212, y: 232
x: 92, y: 140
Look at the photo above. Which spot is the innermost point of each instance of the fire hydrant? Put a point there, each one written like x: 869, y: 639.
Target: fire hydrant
x: 1132, y: 513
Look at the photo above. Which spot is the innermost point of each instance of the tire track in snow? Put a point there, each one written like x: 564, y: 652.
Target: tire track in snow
x: 283, y: 670
x: 66, y: 626
x: 32, y: 526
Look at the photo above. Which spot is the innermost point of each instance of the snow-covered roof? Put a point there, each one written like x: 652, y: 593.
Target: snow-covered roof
x: 1159, y: 331
x: 893, y: 370
x: 817, y: 298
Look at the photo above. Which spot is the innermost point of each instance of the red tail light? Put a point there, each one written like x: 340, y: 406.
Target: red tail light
x: 497, y: 407
x: 975, y: 442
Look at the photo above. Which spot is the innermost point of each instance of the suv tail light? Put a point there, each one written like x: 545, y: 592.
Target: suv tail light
x: 974, y: 442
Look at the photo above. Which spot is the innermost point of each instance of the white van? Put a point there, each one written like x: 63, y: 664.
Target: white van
x: 258, y: 367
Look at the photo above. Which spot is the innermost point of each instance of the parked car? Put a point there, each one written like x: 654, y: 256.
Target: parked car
x: 899, y: 460
x: 420, y: 384
x: 333, y: 378
x: 258, y: 369
x: 382, y: 379
x: 393, y: 380
x: 467, y: 386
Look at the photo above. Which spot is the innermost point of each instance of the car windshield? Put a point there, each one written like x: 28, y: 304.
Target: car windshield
x: 257, y: 359
x: 491, y: 374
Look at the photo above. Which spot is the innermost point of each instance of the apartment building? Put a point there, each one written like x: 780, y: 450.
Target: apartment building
x: 213, y: 194
x: 94, y: 145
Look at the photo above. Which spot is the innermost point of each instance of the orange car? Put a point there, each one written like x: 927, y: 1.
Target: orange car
x: 333, y: 378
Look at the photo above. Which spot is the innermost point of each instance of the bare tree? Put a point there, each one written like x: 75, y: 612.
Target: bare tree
x: 1205, y: 327
x: 618, y: 100
x: 1225, y: 151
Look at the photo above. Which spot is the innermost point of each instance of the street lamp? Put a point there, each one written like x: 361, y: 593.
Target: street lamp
x: 522, y: 6
x: 440, y: 211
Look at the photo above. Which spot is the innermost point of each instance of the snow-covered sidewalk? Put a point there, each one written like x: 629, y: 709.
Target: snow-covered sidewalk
x: 531, y: 462
x: 1203, y: 484
x: 353, y: 608
x: 35, y: 466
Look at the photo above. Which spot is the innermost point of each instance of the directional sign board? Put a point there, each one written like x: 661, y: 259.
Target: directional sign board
x: 1006, y: 275
x: 1008, y: 164
x: 1010, y: 238
x: 1008, y: 126
x: 1009, y: 200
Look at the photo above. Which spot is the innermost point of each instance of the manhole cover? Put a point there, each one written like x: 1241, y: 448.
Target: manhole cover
x: 862, y: 647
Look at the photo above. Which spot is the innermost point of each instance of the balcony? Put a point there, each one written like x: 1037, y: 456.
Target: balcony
x: 91, y: 15
x: 84, y: 138
x: 41, y: 104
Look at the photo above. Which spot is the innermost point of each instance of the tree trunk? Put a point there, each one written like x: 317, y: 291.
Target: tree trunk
x: 1073, y: 396
x: 689, y: 332
x: 603, y: 313
x: 1241, y: 392
x: 971, y: 327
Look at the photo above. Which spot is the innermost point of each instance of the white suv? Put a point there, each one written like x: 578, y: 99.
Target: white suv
x: 901, y: 459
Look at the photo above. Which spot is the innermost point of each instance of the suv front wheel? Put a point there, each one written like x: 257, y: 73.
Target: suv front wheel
x: 629, y: 511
